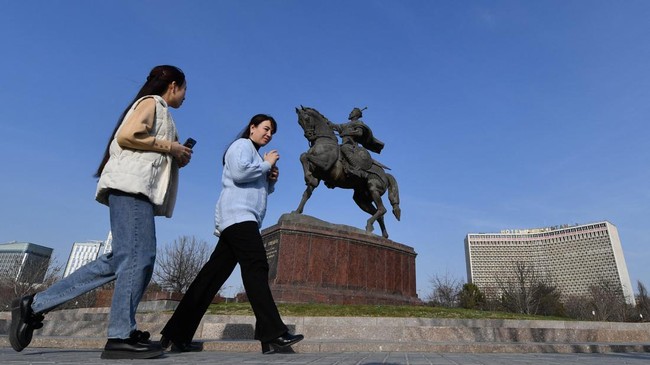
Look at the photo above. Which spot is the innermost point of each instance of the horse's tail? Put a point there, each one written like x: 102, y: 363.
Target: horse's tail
x: 393, y: 195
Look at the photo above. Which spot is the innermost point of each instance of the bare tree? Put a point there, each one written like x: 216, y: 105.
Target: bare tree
x: 516, y: 290
x: 643, y: 302
x: 608, y: 302
x: 446, y: 290
x: 528, y: 291
x: 38, y: 276
x: 579, y: 307
x: 178, y: 263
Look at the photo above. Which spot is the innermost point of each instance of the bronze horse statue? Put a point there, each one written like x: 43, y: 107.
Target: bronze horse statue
x: 324, y: 161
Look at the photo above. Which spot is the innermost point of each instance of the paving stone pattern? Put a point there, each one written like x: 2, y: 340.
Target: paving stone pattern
x: 91, y: 357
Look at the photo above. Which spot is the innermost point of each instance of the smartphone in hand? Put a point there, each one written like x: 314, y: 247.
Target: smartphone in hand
x: 189, y: 143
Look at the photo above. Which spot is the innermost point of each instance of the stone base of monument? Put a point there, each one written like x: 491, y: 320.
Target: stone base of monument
x: 312, y: 261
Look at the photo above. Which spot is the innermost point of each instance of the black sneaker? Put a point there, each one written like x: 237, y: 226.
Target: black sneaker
x: 131, y: 348
x: 23, y: 322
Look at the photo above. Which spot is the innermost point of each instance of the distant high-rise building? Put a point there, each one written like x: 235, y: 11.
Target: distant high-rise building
x: 24, y: 262
x: 108, y: 244
x: 85, y: 252
x: 575, y: 257
x: 81, y: 254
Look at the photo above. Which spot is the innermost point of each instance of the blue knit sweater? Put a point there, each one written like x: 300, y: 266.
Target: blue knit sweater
x: 244, y: 186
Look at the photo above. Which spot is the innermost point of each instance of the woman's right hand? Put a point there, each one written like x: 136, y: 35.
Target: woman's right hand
x: 272, y: 157
x: 181, y: 154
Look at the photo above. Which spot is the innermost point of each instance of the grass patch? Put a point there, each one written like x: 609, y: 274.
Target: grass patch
x: 332, y: 310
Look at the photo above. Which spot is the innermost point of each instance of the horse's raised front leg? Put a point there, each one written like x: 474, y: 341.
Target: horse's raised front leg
x: 310, y: 180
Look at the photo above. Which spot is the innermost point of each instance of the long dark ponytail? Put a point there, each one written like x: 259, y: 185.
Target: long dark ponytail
x: 157, y: 82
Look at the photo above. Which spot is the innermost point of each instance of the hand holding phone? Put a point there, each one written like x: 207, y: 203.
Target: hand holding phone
x: 189, y: 143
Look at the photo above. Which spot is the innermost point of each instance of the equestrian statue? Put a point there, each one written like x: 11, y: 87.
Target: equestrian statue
x: 348, y: 165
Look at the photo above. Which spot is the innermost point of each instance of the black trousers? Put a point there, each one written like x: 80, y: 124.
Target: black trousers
x: 240, y: 243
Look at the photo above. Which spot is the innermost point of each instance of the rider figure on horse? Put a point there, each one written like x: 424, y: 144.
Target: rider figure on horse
x: 356, y: 140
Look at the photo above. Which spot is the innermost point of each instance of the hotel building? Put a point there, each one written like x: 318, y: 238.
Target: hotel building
x: 575, y: 257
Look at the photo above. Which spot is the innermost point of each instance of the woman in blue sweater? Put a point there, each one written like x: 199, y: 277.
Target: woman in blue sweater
x: 246, y: 181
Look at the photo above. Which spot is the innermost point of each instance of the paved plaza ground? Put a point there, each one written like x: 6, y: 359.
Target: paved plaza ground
x: 91, y: 357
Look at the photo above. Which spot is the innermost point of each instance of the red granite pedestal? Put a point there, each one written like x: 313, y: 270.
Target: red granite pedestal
x: 312, y: 261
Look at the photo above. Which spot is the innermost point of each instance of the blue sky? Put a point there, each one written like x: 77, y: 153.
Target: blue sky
x: 495, y: 114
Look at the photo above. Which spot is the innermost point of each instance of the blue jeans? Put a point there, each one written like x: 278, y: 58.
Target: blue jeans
x: 130, y: 265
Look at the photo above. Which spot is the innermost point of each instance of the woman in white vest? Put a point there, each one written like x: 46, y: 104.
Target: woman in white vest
x: 138, y: 180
